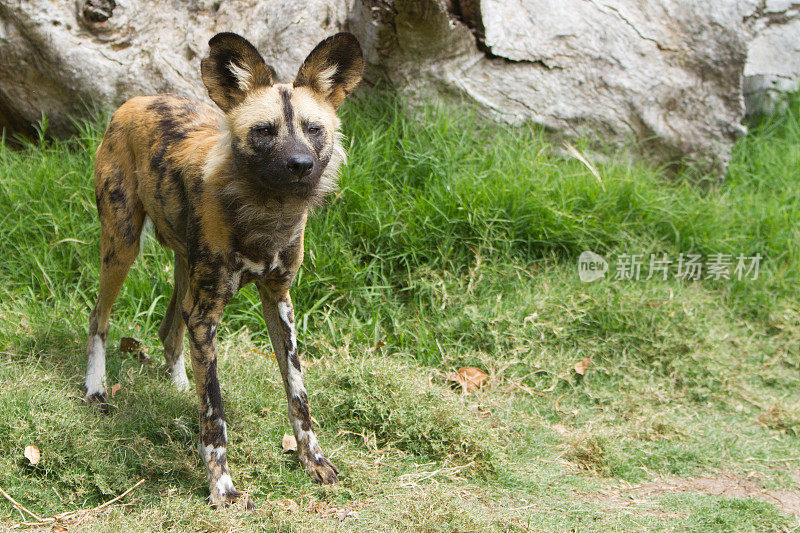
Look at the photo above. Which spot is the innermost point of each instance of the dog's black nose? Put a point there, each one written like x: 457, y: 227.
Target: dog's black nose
x: 300, y: 165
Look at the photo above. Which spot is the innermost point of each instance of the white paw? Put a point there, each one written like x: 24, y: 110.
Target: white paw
x: 178, y: 375
x: 181, y: 383
x: 95, y: 383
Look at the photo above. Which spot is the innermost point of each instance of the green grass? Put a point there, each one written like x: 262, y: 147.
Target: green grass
x: 452, y: 242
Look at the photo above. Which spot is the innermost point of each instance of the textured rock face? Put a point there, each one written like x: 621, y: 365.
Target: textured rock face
x: 58, y: 56
x: 773, y: 61
x: 666, y: 72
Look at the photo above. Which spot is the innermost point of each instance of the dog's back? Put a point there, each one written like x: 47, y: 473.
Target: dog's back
x: 152, y: 154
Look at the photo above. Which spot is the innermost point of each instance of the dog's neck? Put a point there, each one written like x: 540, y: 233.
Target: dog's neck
x: 264, y: 224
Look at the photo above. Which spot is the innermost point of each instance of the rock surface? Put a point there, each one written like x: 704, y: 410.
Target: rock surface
x: 60, y: 56
x: 668, y: 73
x: 773, y: 61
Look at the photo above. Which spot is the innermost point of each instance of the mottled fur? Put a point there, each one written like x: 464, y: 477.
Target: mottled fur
x: 230, y: 193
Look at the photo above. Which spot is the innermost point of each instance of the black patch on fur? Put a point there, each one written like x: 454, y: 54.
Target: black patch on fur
x: 260, y: 161
x: 289, y: 254
x: 211, y: 331
x: 157, y: 160
x: 300, y: 409
x: 100, y: 401
x: 317, y: 140
x: 123, y: 207
x: 346, y: 56
x: 175, y: 123
x: 160, y: 106
x: 222, y: 60
x: 287, y: 331
x: 213, y: 392
x: 341, y: 51
x: 288, y: 111
x: 222, y: 84
x: 295, y: 361
x: 94, y: 331
x: 117, y: 196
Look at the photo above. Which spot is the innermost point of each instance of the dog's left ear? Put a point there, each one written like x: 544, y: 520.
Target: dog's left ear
x: 232, y: 68
x: 333, y: 68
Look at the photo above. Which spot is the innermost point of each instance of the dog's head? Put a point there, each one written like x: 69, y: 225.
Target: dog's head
x: 284, y: 136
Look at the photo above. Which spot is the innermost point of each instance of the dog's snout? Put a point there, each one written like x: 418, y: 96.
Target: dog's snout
x: 300, y: 165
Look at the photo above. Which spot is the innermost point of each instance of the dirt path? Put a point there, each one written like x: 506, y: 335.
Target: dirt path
x: 724, y: 484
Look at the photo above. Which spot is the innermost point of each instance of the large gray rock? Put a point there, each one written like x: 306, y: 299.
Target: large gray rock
x: 667, y: 73
x: 773, y: 62
x: 59, y: 56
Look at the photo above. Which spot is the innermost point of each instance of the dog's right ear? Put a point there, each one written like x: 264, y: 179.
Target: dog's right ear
x: 232, y: 68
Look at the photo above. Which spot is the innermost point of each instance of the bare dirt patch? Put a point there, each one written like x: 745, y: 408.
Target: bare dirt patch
x: 725, y: 484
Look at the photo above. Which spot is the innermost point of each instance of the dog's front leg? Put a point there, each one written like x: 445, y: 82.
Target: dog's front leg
x: 202, y: 312
x: 279, y: 316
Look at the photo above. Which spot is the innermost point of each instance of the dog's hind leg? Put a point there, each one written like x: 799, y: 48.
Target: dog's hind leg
x: 173, y: 328
x: 121, y: 219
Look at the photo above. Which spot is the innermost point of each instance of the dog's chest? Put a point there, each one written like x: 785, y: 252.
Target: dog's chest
x: 272, y: 270
x: 275, y: 257
x: 259, y: 269
x: 267, y: 241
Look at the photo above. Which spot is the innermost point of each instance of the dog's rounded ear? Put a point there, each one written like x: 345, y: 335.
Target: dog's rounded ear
x: 232, y: 68
x: 333, y: 68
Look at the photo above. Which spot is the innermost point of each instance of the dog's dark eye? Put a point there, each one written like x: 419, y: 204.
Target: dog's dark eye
x: 313, y: 130
x: 265, y: 131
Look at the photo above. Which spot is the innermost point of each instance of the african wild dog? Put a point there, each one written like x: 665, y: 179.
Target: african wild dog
x: 230, y: 194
